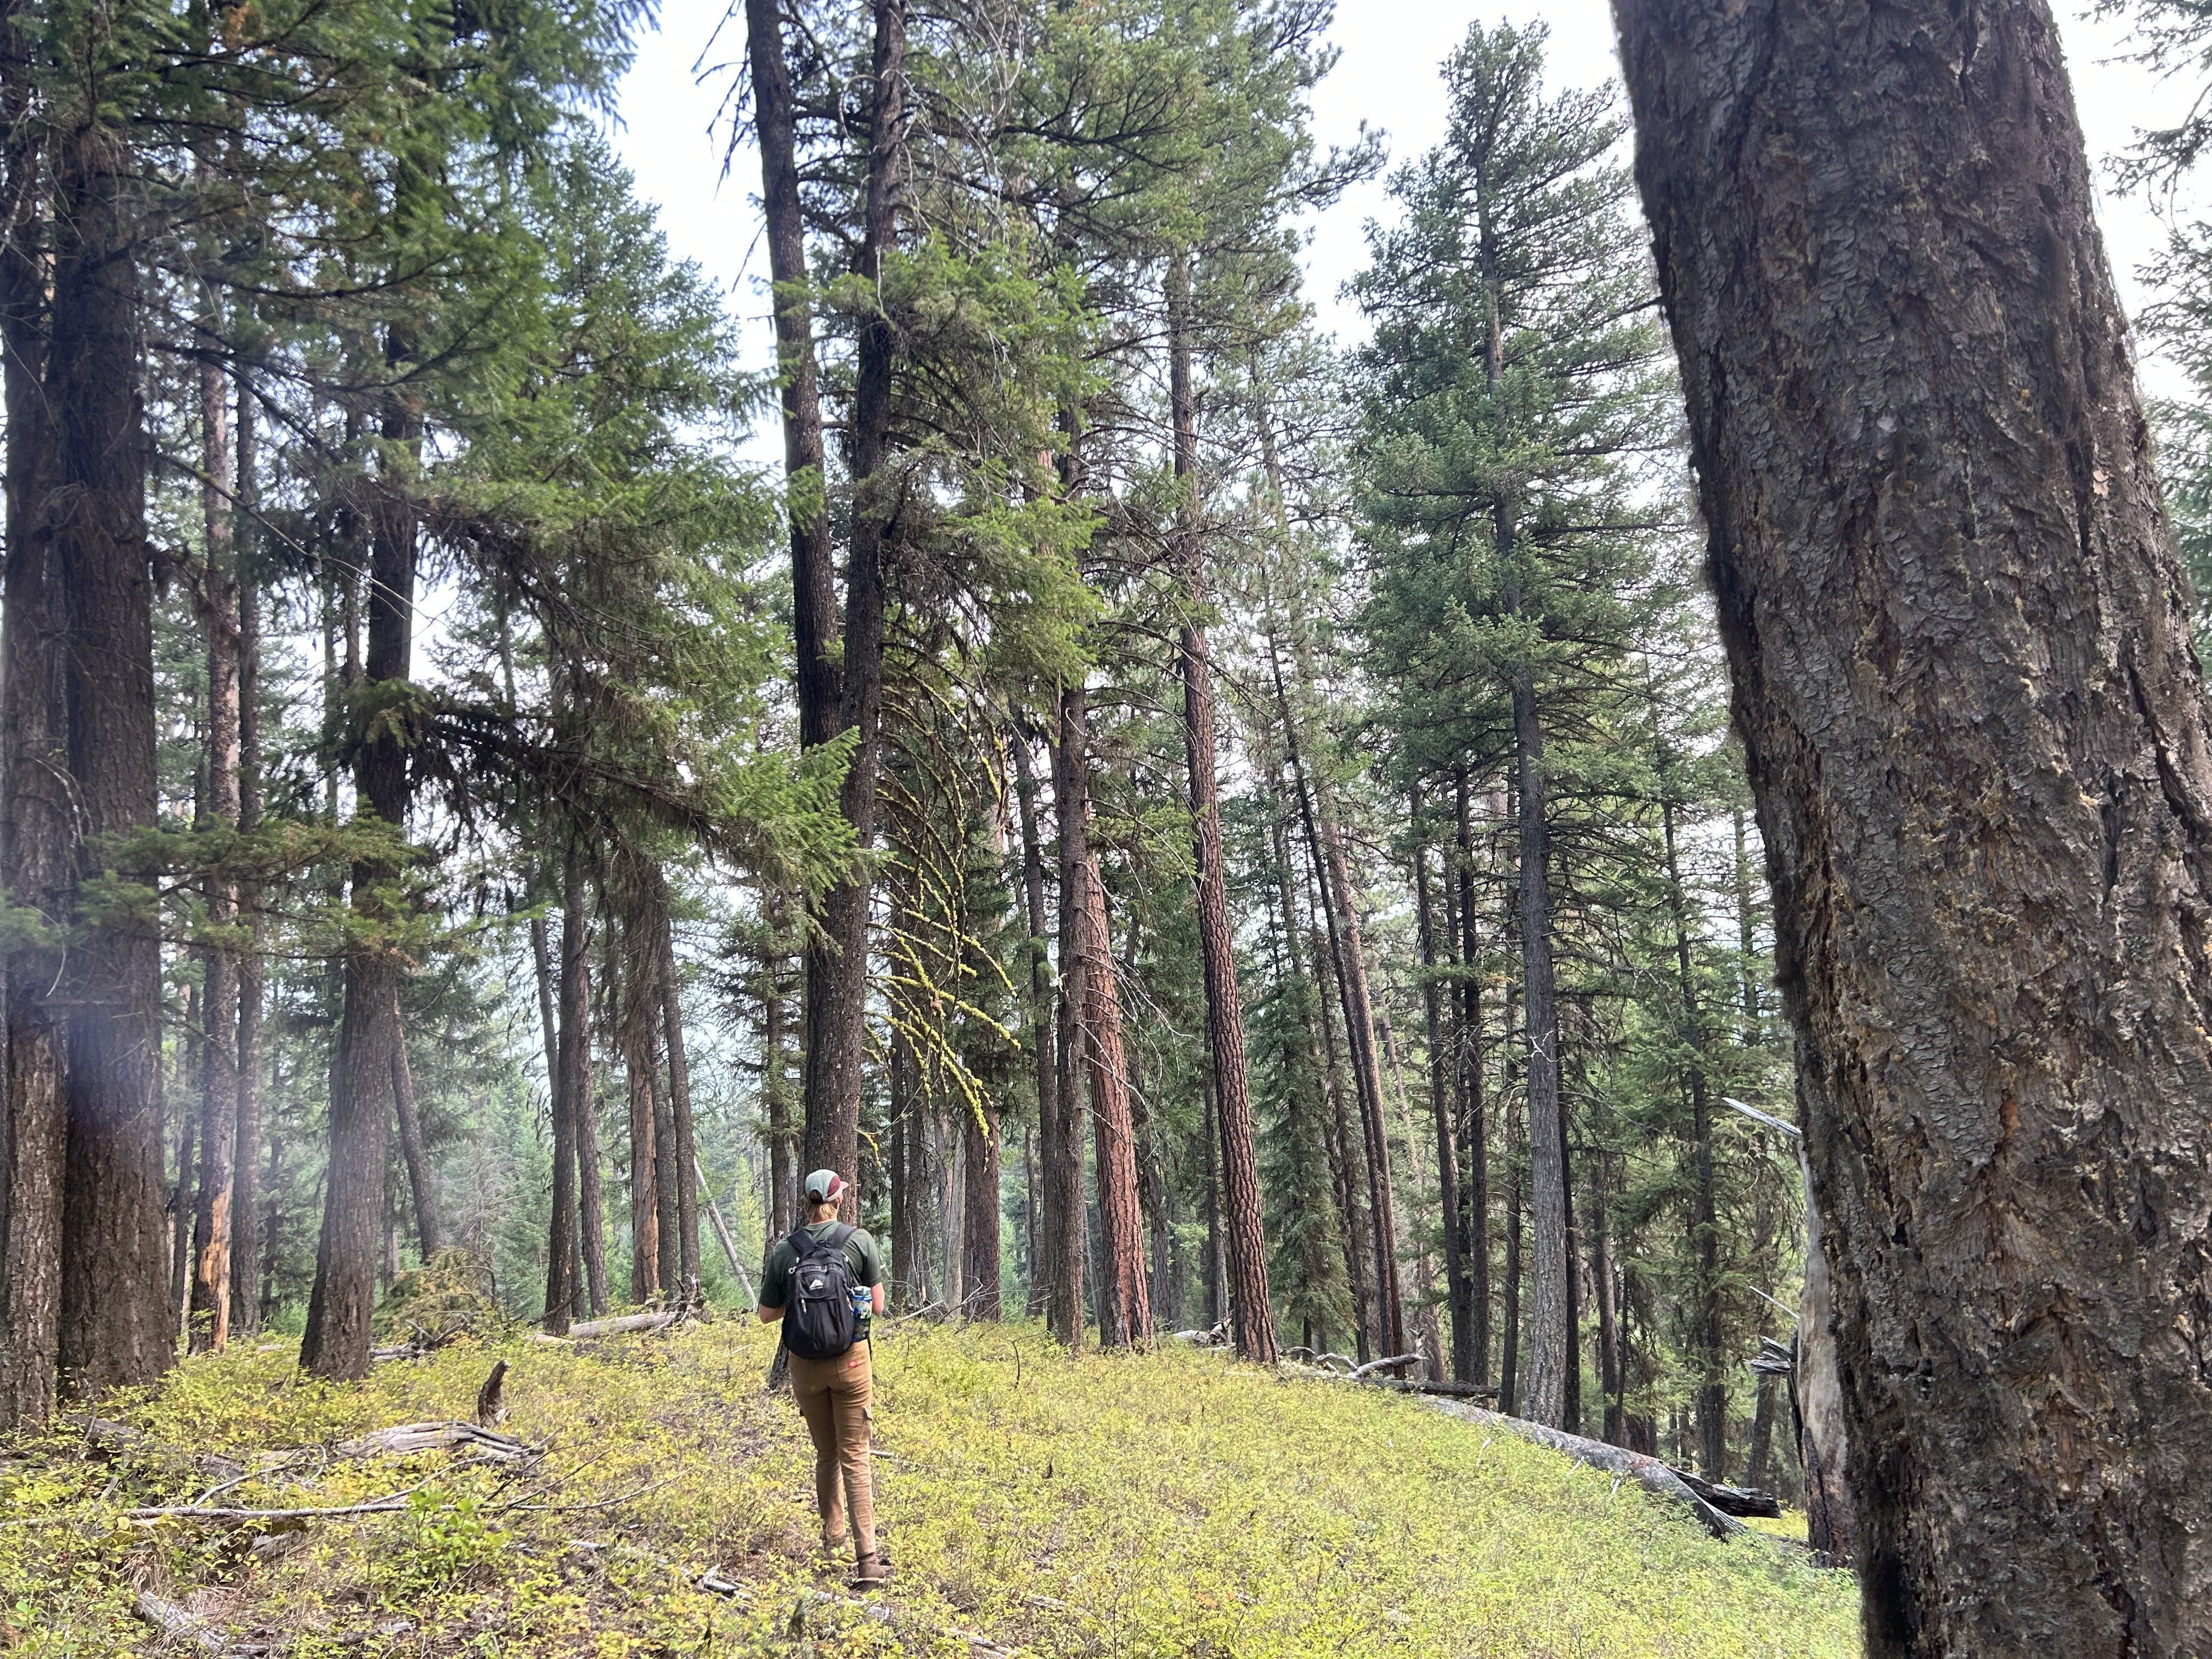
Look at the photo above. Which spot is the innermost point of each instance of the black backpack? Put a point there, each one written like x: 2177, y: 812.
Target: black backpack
x: 818, y: 1322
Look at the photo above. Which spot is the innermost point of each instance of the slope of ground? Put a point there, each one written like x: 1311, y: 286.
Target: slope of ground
x: 1167, y: 1505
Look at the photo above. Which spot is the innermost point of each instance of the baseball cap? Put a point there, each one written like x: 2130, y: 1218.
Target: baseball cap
x: 825, y: 1187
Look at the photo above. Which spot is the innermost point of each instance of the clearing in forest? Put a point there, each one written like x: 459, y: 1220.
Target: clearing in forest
x: 1171, y: 1503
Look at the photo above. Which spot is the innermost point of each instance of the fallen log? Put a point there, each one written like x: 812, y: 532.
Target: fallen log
x: 1648, y: 1473
x: 1732, y: 1500
x: 1422, y: 1385
x: 623, y: 1323
x: 178, y: 1625
x: 1359, y: 1372
x: 405, y: 1439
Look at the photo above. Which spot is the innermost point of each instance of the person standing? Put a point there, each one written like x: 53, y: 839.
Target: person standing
x: 824, y: 1283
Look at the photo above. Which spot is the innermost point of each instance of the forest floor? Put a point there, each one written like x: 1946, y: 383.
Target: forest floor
x: 1171, y: 1504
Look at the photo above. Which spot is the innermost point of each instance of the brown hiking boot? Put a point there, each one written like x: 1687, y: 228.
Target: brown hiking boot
x: 871, y: 1572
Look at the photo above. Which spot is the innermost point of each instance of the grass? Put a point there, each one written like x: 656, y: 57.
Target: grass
x: 1166, y: 1505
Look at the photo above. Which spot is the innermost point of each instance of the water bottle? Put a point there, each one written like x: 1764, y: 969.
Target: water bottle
x: 863, y: 1303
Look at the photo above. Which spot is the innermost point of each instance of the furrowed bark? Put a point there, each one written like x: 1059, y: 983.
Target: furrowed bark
x: 1977, y: 737
x: 114, y: 1323
x: 837, y: 984
x: 336, y: 1345
x: 1124, y: 1308
x: 35, y: 812
x: 1247, y: 1247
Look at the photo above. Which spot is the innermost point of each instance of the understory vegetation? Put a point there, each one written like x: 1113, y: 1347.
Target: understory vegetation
x: 1055, y: 1503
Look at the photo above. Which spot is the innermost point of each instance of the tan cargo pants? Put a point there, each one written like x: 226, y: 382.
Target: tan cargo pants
x: 834, y: 1397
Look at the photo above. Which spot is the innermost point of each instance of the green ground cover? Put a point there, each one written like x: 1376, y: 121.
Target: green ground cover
x: 1166, y: 1505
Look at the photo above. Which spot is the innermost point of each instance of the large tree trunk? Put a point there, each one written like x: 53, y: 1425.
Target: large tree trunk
x: 246, y: 1161
x: 1124, y: 1304
x: 212, y: 1215
x: 36, y: 828
x: 1977, y: 736
x: 1251, y: 1309
x: 114, y: 1327
x: 336, y: 1345
x: 837, y: 968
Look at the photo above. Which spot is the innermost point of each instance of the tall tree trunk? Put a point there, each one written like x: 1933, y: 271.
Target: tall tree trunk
x: 685, y: 1145
x: 1353, y: 1221
x: 636, y: 1020
x: 591, y: 1200
x: 336, y: 1346
x: 813, y: 574
x: 571, y: 1067
x: 36, y: 814
x: 245, y: 1160
x: 837, y: 969
x: 1551, y: 1343
x: 1067, y: 1228
x: 1458, y: 1292
x: 1326, y: 844
x: 1124, y: 1312
x: 1509, y: 1399
x: 1976, y: 731
x: 1045, y: 1268
x: 1474, y: 1109
x: 1251, y: 1310
x: 114, y: 1327
x: 218, y: 1134
x: 1705, y: 1225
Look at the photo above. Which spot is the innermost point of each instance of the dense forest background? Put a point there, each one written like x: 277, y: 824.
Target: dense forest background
x: 1213, y: 830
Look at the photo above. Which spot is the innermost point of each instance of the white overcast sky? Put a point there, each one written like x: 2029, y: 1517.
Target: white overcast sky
x: 1386, y: 77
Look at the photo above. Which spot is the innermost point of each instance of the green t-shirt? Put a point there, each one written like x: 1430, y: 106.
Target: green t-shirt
x: 860, y: 1254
